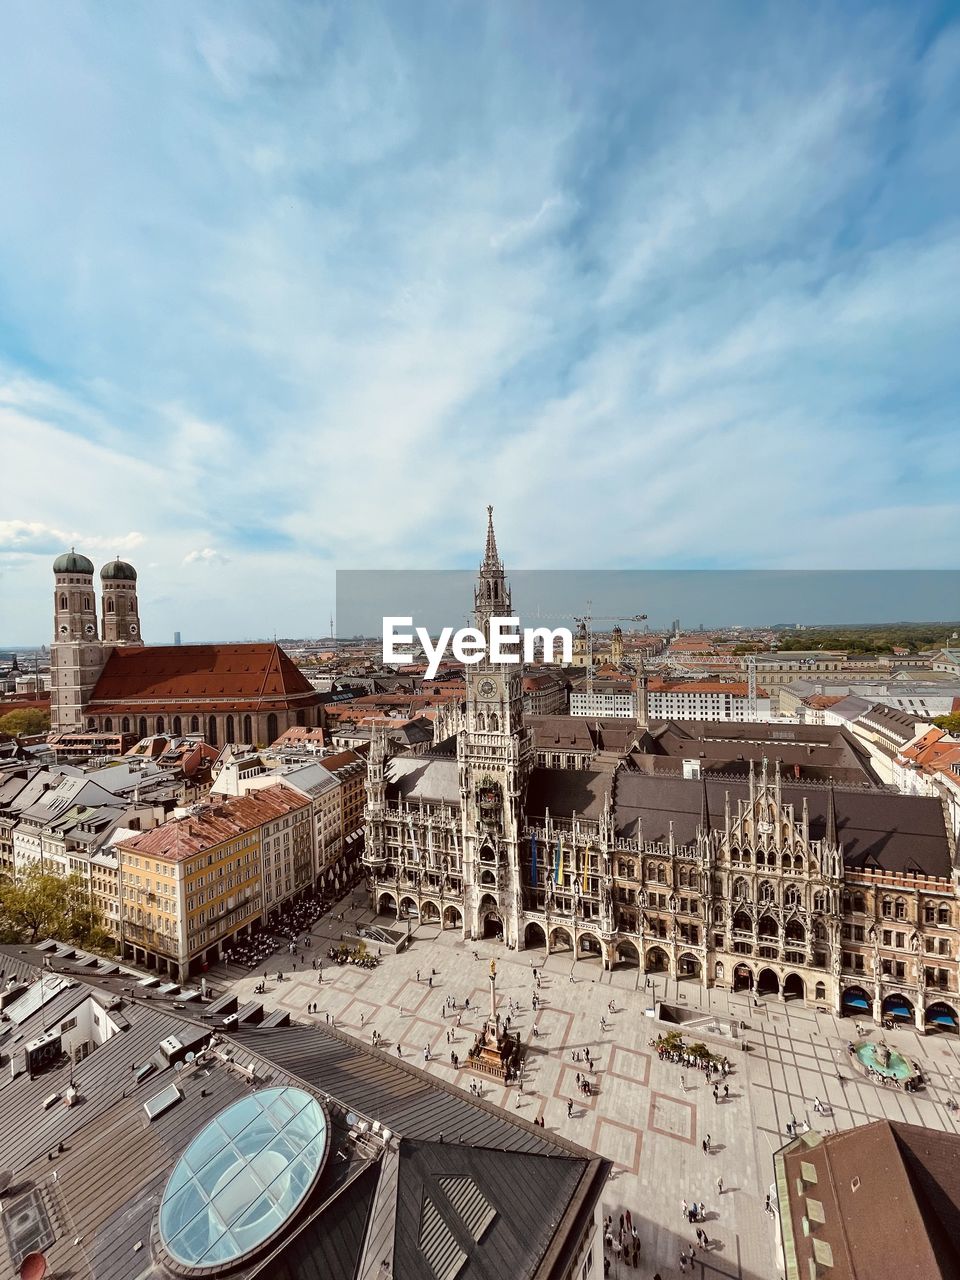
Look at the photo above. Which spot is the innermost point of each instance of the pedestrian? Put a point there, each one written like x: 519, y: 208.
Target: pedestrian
x: 702, y: 1211
x: 708, y: 1142
x: 361, y: 1021
x: 401, y: 1011
x: 683, y: 1208
x: 399, y: 1052
x: 516, y: 1105
x: 720, y: 1186
x: 726, y: 1092
x: 418, y: 975
x: 430, y: 981
x: 703, y: 1144
x: 683, y: 1083
x: 569, y: 1108
x: 766, y: 1206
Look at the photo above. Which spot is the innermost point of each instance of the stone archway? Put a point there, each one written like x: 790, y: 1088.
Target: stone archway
x: 430, y: 913
x: 897, y: 1007
x: 628, y: 954
x: 534, y: 935
x: 408, y: 906
x: 855, y: 1002
x: 742, y: 977
x: 768, y: 984
x: 941, y: 1016
x: 560, y: 939
x: 793, y: 987
x: 492, y: 925
x: 386, y: 904
x: 689, y: 966
x: 589, y: 947
x: 657, y: 961
x: 452, y: 918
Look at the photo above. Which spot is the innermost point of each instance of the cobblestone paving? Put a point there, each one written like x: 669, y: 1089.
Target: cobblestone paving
x: 648, y: 1117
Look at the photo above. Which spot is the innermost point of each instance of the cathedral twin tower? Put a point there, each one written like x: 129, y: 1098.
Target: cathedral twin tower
x: 80, y: 648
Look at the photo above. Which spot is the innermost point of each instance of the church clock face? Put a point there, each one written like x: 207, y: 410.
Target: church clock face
x: 486, y: 688
x: 64, y: 629
x: 89, y: 629
x: 133, y: 628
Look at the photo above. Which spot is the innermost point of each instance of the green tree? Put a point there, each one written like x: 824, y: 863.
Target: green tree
x: 40, y: 905
x: 949, y: 722
x: 28, y: 720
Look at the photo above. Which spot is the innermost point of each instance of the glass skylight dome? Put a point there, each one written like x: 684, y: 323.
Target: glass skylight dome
x: 243, y: 1177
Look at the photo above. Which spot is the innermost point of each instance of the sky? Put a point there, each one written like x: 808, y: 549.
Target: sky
x: 299, y: 287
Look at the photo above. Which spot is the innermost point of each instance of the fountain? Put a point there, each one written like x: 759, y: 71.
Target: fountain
x: 884, y: 1060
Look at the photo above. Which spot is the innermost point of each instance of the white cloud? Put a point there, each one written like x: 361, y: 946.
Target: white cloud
x: 205, y: 555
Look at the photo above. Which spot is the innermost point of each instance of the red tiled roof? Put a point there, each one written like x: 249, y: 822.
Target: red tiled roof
x: 736, y: 688
x: 200, y: 677
x: 181, y: 838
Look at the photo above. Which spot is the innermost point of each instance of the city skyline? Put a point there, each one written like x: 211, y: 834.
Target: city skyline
x: 299, y: 290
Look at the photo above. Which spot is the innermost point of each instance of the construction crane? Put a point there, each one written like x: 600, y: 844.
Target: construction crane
x: 586, y: 620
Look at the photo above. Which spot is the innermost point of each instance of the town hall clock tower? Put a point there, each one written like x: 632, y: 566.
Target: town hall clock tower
x: 495, y: 756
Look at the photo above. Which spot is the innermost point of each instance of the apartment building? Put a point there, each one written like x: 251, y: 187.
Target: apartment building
x: 198, y: 882
x: 705, y: 700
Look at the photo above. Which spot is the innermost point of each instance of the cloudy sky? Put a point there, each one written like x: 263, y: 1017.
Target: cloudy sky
x: 289, y: 287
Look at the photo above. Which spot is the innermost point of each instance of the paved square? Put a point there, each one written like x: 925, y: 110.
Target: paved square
x: 638, y: 1117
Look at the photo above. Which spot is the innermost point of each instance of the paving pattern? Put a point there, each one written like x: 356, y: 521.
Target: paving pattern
x: 648, y: 1117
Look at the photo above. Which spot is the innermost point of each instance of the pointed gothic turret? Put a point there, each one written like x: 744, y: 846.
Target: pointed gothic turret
x: 491, y: 560
x: 704, y: 806
x: 831, y: 833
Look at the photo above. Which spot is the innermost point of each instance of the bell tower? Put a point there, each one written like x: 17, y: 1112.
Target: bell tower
x: 495, y: 756
x: 121, y: 613
x: 76, y: 654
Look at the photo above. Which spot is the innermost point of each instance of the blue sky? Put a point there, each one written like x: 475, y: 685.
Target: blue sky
x: 291, y: 287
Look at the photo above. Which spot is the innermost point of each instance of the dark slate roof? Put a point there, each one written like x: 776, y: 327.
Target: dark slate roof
x: 568, y: 791
x: 527, y: 1194
x: 329, y: 1247
x: 413, y: 778
x: 878, y: 829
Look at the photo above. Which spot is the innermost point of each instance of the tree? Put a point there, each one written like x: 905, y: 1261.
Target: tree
x: 26, y: 721
x: 37, y: 904
x: 949, y: 722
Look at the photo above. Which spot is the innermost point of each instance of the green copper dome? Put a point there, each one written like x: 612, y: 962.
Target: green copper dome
x: 118, y: 569
x: 70, y: 562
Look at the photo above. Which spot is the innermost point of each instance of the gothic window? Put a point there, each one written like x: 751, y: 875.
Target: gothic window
x: 820, y: 901
x: 194, y: 724
x: 177, y: 725
x: 820, y: 992
x: 160, y: 724
x: 798, y: 863
x: 943, y: 915
x: 900, y: 910
x: 108, y: 724
x: 212, y: 731
x: 91, y: 724
x: 795, y: 932
x: 63, y: 602
x: 142, y: 727
x: 820, y: 931
x: 247, y: 729
x: 110, y: 606
x: 740, y: 888
x: 887, y: 907
x: 718, y: 915
x: 271, y: 728
x: 859, y: 903
x: 494, y: 722
x: 481, y: 721
x: 125, y: 726
x: 301, y: 717
x: 228, y: 735
x: 792, y: 896
x: 766, y: 893
x: 718, y: 971
x: 86, y: 602
x: 785, y: 863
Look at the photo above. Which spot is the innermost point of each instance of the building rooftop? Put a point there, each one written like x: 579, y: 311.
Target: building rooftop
x: 211, y: 825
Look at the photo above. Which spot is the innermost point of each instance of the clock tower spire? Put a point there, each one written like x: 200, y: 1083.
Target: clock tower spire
x: 495, y: 756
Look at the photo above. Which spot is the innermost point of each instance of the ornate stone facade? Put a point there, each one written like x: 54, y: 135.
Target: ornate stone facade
x: 766, y: 884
